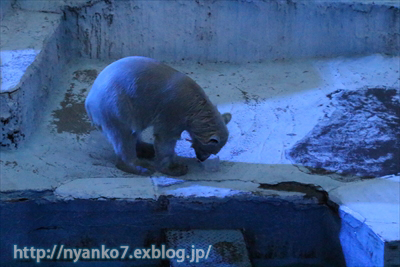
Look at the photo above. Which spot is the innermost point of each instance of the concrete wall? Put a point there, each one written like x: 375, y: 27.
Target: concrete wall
x: 234, y: 31
x: 274, y: 229
x: 47, y: 6
x: 5, y: 7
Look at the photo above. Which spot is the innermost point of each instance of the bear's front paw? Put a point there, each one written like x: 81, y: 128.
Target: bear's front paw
x: 139, y: 167
x: 175, y: 169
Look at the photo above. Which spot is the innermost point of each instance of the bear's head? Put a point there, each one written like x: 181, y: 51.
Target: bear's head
x: 212, y: 143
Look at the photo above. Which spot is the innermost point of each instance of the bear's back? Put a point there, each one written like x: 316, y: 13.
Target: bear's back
x: 137, y: 90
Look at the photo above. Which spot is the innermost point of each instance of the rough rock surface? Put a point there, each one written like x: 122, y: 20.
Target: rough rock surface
x: 360, y: 139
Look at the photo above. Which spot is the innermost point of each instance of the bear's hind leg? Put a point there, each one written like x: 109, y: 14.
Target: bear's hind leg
x: 124, y: 143
x: 144, y: 150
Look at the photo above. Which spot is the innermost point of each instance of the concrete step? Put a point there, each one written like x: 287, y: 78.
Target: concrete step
x: 218, y: 248
x: 32, y: 58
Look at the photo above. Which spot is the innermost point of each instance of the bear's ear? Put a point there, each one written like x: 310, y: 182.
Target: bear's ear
x: 213, y: 140
x: 227, y: 117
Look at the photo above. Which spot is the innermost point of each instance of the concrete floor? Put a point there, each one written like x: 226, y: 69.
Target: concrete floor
x: 274, y: 105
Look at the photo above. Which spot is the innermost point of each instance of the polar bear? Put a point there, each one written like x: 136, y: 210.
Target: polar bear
x: 134, y: 93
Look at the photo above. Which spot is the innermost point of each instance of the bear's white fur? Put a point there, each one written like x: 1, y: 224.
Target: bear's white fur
x: 134, y: 93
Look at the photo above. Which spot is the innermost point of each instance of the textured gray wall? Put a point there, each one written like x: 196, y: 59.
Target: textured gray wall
x: 234, y: 31
x: 5, y: 6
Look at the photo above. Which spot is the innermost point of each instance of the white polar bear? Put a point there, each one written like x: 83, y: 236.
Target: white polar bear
x: 134, y: 93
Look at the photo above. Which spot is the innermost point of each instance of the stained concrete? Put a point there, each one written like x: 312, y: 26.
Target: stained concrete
x: 360, y: 139
x: 65, y: 169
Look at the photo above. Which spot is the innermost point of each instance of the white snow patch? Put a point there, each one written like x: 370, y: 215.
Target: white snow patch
x: 203, y: 191
x: 14, y: 64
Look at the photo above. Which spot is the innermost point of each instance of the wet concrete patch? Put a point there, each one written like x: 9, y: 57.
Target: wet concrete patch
x: 361, y: 139
x: 309, y: 190
x: 85, y: 76
x: 72, y: 116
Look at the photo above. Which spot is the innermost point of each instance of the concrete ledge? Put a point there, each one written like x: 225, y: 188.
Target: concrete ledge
x: 369, y: 222
x: 34, y: 53
x: 107, y: 188
x: 361, y: 241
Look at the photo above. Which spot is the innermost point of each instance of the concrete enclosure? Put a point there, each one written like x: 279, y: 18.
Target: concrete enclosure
x: 310, y: 173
